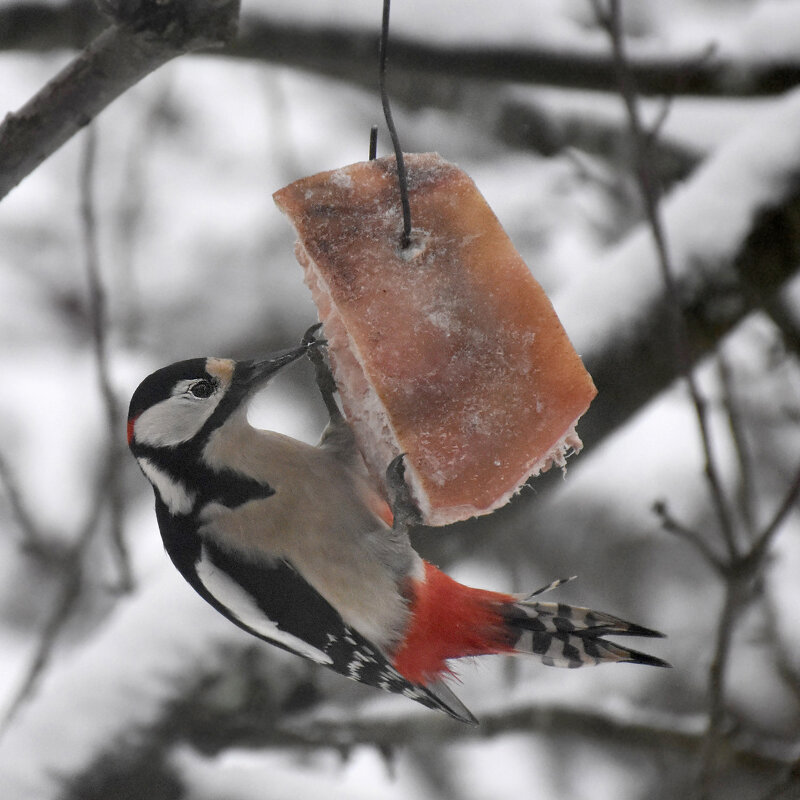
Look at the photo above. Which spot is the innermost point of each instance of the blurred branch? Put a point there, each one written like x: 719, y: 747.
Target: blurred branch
x: 145, y: 35
x: 630, y: 727
x: 742, y: 565
x: 789, y: 503
x: 245, y: 705
x: 33, y: 540
x: 66, y: 597
x: 670, y: 524
x: 349, y: 54
x: 720, y: 279
x: 744, y: 494
x: 514, y: 120
x: 111, y: 495
x: 525, y: 122
x: 108, y: 488
x: 786, y: 787
x: 610, y: 18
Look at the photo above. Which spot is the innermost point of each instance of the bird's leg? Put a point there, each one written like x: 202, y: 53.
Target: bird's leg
x: 404, y: 509
x: 325, y: 381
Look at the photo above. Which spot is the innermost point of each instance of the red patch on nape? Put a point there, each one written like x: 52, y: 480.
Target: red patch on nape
x: 450, y: 620
x: 131, y: 423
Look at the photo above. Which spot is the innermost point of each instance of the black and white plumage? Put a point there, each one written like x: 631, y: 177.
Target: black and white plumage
x: 294, y: 544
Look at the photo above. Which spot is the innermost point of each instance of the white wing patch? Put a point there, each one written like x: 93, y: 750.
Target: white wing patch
x: 243, y: 607
x: 174, y: 494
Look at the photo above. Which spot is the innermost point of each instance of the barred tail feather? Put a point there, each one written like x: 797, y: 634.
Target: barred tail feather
x: 571, y: 636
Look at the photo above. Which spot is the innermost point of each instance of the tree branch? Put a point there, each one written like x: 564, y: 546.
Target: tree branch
x: 632, y: 728
x: 678, y: 334
x: 146, y: 35
x: 349, y: 54
x: 113, y: 495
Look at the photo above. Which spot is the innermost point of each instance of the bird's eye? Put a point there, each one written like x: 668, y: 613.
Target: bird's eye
x: 202, y: 389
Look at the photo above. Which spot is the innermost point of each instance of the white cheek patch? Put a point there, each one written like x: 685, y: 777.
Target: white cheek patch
x: 174, y: 420
x: 241, y: 604
x: 173, y: 493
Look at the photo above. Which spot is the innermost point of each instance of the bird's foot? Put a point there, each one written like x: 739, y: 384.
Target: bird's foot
x: 404, y: 509
x: 322, y: 372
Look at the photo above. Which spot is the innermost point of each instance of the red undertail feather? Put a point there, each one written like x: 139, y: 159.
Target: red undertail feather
x: 450, y: 620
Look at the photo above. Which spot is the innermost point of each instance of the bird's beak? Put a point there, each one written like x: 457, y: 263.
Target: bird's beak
x: 252, y: 374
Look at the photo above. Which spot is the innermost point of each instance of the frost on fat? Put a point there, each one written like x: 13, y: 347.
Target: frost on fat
x: 448, y: 351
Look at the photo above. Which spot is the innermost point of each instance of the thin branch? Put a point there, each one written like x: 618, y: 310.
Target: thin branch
x: 632, y: 728
x: 108, y: 489
x: 717, y: 683
x: 32, y: 537
x: 609, y: 17
x: 62, y: 608
x: 787, y: 785
x: 146, y: 36
x: 611, y: 20
x: 61, y: 611
x: 788, y: 504
x: 671, y: 525
x: 99, y: 326
x: 747, y: 484
x: 347, y: 53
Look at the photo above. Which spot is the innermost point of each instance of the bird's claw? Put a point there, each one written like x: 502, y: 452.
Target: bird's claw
x: 310, y: 341
x: 404, y: 509
x: 325, y: 382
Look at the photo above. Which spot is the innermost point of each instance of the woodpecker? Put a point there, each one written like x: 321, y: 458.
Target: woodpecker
x: 296, y: 545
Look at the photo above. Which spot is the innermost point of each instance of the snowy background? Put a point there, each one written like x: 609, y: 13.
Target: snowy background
x: 117, y: 682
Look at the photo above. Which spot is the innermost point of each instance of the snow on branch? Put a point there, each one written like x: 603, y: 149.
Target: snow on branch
x: 733, y: 233
x: 116, y: 689
x: 347, y: 51
x: 611, y: 723
x: 144, y: 36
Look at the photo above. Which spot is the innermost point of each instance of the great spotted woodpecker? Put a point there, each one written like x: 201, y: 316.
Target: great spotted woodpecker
x: 294, y: 544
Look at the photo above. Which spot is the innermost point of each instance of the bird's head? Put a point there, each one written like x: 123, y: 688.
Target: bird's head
x: 188, y: 399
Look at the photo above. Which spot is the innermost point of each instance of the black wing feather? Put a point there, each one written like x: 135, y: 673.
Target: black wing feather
x: 291, y: 603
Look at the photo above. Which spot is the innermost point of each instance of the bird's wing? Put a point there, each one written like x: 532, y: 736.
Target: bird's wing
x: 273, y: 602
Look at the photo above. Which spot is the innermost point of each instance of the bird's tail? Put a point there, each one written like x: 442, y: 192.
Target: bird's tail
x: 450, y: 620
x: 571, y: 636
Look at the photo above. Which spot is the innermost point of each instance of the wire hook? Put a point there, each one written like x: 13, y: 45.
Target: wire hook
x: 373, y: 142
x: 402, y: 178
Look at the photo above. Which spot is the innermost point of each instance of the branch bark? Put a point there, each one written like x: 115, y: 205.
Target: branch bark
x: 350, y: 54
x: 648, y: 729
x: 145, y: 35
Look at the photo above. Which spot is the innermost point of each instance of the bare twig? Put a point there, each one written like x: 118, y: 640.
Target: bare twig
x: 611, y: 18
x: 746, y: 491
x: 99, y: 326
x: 632, y: 728
x: 145, y: 36
x: 789, y: 502
x: 108, y: 489
x: 63, y: 606
x: 671, y: 525
x: 740, y: 567
x: 32, y: 538
x: 787, y: 785
x: 717, y: 682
